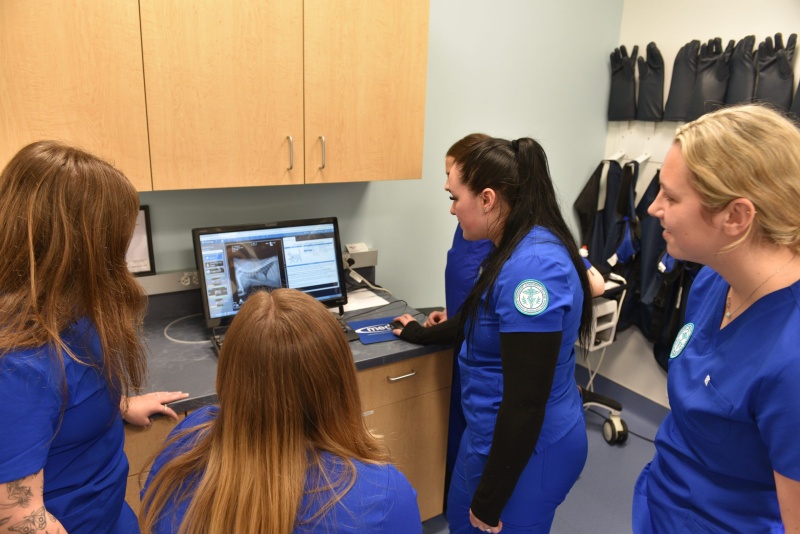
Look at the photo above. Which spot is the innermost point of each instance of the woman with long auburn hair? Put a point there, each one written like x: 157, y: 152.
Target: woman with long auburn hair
x: 286, y: 449
x: 70, y: 353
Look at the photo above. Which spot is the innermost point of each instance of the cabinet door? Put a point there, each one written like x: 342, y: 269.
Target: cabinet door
x: 74, y: 74
x: 224, y: 92
x: 415, y: 431
x: 408, y: 403
x: 365, y: 69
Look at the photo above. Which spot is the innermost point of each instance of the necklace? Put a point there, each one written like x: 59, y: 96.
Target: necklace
x: 729, y: 313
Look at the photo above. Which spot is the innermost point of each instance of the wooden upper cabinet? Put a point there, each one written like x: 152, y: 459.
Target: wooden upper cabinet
x: 218, y: 89
x: 224, y: 84
x: 74, y: 74
x: 365, y: 72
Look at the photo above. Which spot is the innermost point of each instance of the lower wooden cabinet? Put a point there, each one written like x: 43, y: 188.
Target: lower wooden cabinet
x: 408, y: 404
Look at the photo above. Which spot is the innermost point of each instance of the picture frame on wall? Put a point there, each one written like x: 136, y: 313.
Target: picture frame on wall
x: 140, y: 251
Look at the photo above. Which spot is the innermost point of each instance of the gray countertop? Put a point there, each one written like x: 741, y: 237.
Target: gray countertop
x: 180, y: 357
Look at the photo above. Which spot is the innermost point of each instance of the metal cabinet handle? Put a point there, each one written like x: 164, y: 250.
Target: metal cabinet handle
x: 291, y: 153
x: 322, y: 138
x: 396, y: 378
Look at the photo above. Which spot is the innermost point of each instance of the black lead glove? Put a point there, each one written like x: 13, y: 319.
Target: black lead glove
x: 712, y: 78
x: 651, y: 86
x: 742, y: 83
x: 775, y: 81
x: 622, y: 99
x: 796, y: 104
x: 682, y: 86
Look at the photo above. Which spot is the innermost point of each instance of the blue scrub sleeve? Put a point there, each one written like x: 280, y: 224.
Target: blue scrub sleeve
x: 527, y: 380
x: 546, y: 276
x: 29, y: 412
x: 401, y: 509
x: 779, y: 419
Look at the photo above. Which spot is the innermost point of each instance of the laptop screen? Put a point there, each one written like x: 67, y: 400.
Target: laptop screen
x: 235, y: 261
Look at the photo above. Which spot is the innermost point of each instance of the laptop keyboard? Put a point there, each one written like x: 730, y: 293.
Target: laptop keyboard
x: 347, y: 330
x: 349, y: 334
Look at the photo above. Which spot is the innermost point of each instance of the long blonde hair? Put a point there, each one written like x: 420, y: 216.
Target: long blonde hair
x: 287, y: 391
x: 750, y: 152
x: 66, y: 219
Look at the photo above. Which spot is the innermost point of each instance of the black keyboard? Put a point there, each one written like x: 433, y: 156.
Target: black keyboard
x: 347, y: 330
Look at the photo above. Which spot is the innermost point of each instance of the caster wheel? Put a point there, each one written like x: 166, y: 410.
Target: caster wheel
x: 609, y: 432
x: 622, y: 435
x: 615, y: 430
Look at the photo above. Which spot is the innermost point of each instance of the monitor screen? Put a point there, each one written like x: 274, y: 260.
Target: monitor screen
x: 235, y: 261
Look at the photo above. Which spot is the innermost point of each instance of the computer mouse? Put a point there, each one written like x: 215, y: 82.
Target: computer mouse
x: 396, y: 325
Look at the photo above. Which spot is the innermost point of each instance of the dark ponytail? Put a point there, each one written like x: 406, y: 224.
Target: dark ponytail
x: 518, y: 172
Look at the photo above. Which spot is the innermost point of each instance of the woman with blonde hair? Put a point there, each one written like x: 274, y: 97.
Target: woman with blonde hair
x: 726, y: 456
x: 69, y: 346
x: 286, y: 448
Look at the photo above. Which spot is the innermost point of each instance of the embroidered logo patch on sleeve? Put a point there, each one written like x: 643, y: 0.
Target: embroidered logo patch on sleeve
x: 530, y: 297
x: 681, y: 340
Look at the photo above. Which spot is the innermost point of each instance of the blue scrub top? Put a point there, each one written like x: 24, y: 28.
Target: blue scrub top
x: 78, y: 444
x: 735, y: 415
x: 381, y: 500
x: 538, y: 290
x: 464, y: 261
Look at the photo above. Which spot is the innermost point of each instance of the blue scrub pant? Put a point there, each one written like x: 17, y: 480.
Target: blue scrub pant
x: 457, y: 425
x: 543, y: 485
x: 641, y: 521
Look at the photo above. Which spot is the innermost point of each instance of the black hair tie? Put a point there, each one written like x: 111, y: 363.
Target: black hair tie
x: 515, y: 145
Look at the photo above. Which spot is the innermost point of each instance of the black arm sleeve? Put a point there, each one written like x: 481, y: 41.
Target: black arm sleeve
x: 443, y: 333
x: 529, y: 364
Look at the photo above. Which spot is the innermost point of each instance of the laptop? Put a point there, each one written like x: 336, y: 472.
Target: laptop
x: 235, y: 261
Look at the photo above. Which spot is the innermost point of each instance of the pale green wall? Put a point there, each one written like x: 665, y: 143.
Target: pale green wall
x: 509, y: 68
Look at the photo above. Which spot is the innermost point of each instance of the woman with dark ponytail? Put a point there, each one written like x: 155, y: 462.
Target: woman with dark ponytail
x: 525, y: 443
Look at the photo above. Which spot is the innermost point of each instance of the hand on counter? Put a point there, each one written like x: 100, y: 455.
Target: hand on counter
x: 435, y: 317
x: 404, y: 320
x: 137, y: 410
x: 441, y: 333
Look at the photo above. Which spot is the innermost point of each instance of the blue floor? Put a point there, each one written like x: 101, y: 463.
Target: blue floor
x: 600, y: 502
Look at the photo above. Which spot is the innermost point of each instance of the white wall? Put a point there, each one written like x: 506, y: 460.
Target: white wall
x: 509, y: 68
x: 670, y: 25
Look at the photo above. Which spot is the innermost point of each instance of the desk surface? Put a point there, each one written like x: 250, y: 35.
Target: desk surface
x: 180, y: 357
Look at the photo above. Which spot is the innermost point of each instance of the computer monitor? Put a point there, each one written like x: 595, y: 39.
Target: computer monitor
x: 234, y: 261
